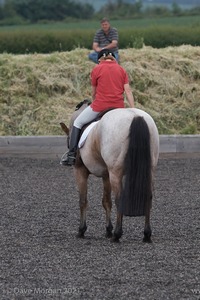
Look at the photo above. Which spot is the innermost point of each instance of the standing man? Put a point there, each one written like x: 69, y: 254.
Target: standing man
x: 105, y: 38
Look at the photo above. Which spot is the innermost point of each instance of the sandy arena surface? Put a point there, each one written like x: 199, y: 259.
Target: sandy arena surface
x: 41, y: 258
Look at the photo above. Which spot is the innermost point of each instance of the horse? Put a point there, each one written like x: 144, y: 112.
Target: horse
x: 122, y: 148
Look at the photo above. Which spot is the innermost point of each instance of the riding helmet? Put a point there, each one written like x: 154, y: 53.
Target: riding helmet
x: 105, y: 52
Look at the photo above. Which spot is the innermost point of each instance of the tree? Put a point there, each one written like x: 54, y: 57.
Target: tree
x: 121, y: 9
x: 55, y: 10
x: 176, y: 10
x: 7, y: 10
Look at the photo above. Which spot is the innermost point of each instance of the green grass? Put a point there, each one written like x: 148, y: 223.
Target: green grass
x: 190, y: 21
x: 48, y: 38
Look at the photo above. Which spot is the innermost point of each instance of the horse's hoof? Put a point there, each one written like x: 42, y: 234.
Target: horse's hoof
x: 109, y: 235
x: 80, y: 235
x: 147, y: 234
x: 147, y: 239
x: 81, y: 231
x: 117, y: 235
x: 115, y: 239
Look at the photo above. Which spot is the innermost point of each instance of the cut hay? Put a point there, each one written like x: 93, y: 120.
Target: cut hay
x: 39, y: 91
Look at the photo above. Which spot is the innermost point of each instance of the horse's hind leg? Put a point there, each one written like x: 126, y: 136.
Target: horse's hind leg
x: 82, y: 174
x: 116, y: 183
x: 107, y: 204
x: 147, y: 226
x: 118, y: 228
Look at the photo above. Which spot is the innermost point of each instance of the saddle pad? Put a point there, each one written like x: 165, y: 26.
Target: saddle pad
x: 85, y: 134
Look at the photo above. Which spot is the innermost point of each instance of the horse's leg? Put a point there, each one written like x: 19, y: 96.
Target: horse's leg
x: 81, y: 174
x: 118, y: 228
x: 147, y: 226
x: 107, y: 204
x: 116, y: 184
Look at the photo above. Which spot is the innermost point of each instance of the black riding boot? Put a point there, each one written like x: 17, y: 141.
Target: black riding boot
x: 68, y: 159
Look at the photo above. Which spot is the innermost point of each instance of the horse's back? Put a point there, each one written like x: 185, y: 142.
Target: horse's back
x: 122, y: 118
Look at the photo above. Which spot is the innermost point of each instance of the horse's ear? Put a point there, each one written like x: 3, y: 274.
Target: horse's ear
x: 64, y: 128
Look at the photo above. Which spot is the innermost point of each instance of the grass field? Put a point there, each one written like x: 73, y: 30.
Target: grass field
x: 188, y: 21
x: 48, y: 38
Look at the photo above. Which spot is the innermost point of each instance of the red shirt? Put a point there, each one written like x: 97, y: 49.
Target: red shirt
x: 109, y: 78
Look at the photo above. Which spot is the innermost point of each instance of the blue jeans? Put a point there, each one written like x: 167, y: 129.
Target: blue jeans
x: 94, y: 57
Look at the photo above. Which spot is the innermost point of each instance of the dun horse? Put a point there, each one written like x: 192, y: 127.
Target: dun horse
x: 122, y: 148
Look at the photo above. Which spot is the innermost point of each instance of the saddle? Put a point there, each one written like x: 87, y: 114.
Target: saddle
x: 100, y: 115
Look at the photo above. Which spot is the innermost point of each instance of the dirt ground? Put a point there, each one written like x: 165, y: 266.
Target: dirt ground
x: 41, y: 258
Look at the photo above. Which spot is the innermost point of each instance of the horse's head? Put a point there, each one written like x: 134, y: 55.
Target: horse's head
x: 78, y: 109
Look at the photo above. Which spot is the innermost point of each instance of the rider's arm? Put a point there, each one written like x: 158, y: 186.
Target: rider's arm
x: 129, y: 94
x: 93, y: 92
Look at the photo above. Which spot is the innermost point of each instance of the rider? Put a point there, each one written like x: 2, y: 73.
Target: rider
x: 109, y: 82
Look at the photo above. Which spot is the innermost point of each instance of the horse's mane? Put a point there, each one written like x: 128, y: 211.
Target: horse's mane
x: 85, y: 101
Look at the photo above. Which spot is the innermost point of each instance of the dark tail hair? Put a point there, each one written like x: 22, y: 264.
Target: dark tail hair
x: 137, y: 188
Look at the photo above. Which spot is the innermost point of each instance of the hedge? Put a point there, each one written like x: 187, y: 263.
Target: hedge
x: 40, y: 41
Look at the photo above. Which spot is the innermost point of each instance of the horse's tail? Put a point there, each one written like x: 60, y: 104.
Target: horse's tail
x: 137, y: 188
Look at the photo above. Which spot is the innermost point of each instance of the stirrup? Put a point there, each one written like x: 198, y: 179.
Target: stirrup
x: 68, y: 159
